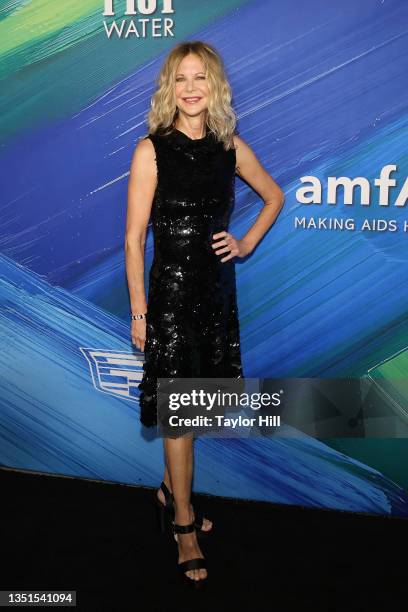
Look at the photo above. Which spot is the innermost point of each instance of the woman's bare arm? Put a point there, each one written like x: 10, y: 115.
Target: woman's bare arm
x: 252, y: 171
x: 141, y: 188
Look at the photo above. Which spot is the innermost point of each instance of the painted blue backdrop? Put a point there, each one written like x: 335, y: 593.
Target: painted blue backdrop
x: 319, y: 90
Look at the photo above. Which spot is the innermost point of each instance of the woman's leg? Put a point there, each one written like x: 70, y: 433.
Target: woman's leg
x: 179, y: 460
x: 207, y: 524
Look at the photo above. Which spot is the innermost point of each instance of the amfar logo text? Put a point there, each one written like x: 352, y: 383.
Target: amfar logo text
x: 142, y: 27
x: 312, y: 194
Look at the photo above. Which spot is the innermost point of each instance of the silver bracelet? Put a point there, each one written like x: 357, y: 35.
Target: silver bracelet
x: 137, y: 316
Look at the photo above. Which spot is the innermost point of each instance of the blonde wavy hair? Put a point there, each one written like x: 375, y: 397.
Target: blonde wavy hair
x: 220, y: 116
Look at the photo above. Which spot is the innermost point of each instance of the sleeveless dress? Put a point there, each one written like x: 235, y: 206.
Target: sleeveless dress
x: 192, y: 326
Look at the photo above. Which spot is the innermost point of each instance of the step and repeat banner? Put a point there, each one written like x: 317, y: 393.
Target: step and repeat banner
x: 319, y: 89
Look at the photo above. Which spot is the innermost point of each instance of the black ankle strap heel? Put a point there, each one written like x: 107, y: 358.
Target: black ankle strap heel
x: 169, y: 509
x: 191, y: 564
x: 165, y: 511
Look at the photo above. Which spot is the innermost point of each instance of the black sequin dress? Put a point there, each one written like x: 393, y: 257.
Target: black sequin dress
x: 192, y: 315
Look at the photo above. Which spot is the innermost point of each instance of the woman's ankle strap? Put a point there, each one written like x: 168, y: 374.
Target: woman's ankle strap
x: 166, y: 492
x: 184, y: 528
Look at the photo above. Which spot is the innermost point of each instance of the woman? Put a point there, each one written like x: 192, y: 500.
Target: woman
x: 183, y: 174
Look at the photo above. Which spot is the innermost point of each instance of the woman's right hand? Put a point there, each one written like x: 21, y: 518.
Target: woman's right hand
x: 138, y: 332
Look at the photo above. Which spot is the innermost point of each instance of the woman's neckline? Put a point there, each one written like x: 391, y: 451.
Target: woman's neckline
x: 192, y: 139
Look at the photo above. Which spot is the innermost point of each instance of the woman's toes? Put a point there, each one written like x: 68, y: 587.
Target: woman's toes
x: 207, y: 525
x: 199, y: 574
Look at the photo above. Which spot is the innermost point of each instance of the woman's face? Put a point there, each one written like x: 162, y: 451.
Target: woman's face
x: 191, y: 86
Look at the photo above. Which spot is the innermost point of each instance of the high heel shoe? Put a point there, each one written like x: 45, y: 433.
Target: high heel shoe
x: 190, y: 564
x: 166, y: 511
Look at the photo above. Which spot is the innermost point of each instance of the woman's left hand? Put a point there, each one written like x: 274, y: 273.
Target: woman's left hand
x: 226, y: 243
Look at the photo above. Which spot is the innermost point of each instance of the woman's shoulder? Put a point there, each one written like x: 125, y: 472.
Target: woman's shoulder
x: 239, y: 141
x: 242, y: 149
x: 159, y: 139
x: 144, y: 150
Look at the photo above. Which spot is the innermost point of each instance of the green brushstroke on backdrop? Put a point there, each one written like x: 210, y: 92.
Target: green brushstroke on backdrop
x: 54, y: 61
